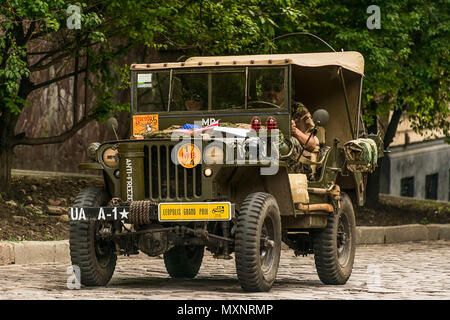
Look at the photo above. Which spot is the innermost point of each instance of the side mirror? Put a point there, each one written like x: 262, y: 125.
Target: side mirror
x: 112, y: 125
x: 320, y: 117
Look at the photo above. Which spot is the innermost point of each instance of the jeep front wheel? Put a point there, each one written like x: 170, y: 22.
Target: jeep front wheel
x: 94, y: 255
x: 334, y: 246
x: 258, y: 242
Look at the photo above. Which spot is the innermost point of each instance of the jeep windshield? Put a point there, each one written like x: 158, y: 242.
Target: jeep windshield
x: 205, y: 89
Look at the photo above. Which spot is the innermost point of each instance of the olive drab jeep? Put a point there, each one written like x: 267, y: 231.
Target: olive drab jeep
x: 211, y: 163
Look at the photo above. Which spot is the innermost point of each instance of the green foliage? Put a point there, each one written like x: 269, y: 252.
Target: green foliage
x: 110, y: 29
x: 14, y: 239
x: 209, y: 27
x: 406, y: 61
x: 25, y: 21
x: 14, y: 68
x: 125, y: 77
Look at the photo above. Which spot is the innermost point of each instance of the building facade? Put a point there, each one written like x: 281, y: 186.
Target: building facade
x: 415, y: 167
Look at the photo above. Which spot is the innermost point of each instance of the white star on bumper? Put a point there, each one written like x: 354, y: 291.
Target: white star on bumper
x: 124, y: 214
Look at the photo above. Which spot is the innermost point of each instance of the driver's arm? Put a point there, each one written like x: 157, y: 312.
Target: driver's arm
x: 302, y: 137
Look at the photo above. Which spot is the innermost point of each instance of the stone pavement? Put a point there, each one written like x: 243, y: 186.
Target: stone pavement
x: 412, y: 270
x: 24, y: 252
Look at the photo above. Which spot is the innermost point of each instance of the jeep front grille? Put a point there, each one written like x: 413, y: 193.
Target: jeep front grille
x: 165, y: 180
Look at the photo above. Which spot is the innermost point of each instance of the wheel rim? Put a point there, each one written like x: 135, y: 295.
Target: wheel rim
x: 343, y: 241
x: 103, y: 248
x: 267, y: 250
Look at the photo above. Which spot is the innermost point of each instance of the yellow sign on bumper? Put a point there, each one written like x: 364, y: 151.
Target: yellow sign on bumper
x: 194, y: 211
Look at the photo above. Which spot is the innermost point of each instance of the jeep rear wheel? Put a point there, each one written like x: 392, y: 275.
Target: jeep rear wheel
x: 335, y: 245
x: 258, y: 242
x: 94, y: 256
x: 184, y: 261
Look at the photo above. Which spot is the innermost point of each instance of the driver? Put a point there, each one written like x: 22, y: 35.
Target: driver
x: 194, y: 102
x: 302, y: 126
x: 274, y: 91
x: 302, y: 123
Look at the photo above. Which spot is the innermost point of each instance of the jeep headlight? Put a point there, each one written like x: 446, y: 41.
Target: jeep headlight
x: 111, y: 157
x: 214, y: 154
x: 92, y: 151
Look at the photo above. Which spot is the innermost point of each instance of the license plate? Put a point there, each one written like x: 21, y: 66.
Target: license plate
x: 194, y: 211
x: 99, y: 214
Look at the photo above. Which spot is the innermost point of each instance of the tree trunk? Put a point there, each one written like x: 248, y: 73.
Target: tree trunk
x: 373, y: 182
x: 373, y: 189
x: 5, y: 167
x: 7, y: 123
x: 8, y: 138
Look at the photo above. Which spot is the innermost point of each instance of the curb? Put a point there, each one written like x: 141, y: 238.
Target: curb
x: 403, y: 233
x: 27, y: 252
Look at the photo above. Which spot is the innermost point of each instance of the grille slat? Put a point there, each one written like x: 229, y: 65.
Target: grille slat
x: 198, y: 176
x: 168, y: 162
x: 194, y: 182
x: 153, y: 174
x: 185, y: 183
x: 159, y: 171
x: 176, y: 182
x: 147, y: 173
x: 173, y: 181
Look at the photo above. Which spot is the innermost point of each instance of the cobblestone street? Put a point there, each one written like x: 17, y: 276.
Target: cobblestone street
x: 419, y: 270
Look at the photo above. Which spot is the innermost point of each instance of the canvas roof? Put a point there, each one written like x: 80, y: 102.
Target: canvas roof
x: 350, y: 60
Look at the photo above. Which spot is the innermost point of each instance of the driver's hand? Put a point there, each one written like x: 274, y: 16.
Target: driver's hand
x: 293, y: 126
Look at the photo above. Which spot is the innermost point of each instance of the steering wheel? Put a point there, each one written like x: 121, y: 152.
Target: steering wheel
x: 264, y: 102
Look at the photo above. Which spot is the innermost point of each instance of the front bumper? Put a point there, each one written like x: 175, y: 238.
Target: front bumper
x: 121, y: 213
x: 145, y: 212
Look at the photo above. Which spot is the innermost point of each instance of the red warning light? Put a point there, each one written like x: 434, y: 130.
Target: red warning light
x: 271, y: 123
x: 256, y: 123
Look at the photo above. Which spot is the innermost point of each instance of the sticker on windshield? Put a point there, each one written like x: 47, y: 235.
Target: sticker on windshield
x: 144, y: 80
x: 145, y: 124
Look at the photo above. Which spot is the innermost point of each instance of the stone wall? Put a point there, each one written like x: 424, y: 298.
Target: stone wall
x: 51, y: 113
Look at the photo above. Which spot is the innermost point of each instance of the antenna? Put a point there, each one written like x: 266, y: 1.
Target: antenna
x: 112, y: 125
x: 307, y: 34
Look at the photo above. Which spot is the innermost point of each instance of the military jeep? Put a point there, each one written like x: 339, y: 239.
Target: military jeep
x: 209, y: 166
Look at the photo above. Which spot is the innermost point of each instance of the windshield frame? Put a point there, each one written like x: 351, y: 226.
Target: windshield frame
x: 211, y: 70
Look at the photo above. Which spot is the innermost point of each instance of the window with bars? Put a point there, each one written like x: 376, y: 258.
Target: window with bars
x: 407, y: 187
x: 431, y: 186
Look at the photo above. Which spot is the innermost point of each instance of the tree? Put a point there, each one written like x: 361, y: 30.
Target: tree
x: 406, y: 60
x: 35, y: 38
